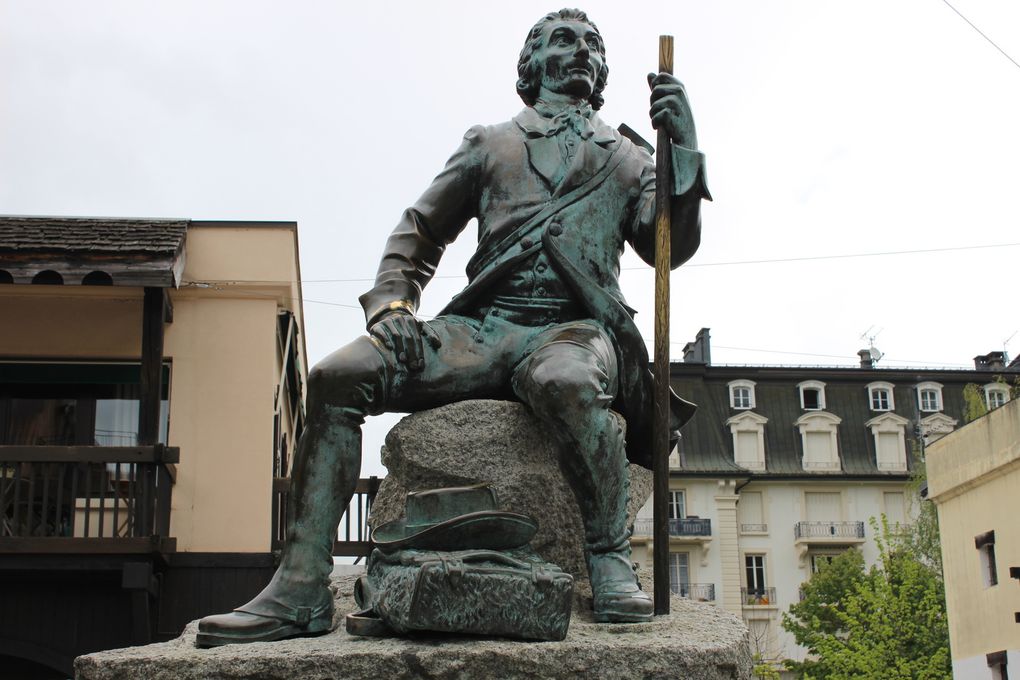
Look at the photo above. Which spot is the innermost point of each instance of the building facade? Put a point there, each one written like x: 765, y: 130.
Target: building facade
x: 782, y: 468
x: 151, y: 386
x: 974, y: 480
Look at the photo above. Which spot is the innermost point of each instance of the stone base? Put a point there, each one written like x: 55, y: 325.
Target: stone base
x: 696, y: 641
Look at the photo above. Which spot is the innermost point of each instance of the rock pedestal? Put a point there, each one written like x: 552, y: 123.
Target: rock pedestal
x: 500, y: 443
x: 697, y: 641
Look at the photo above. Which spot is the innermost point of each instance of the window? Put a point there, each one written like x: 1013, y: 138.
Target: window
x: 741, y: 394
x: 895, y: 508
x: 812, y: 395
x: 929, y: 396
x: 679, y: 572
x: 818, y: 438
x: 996, y: 394
x: 823, y: 506
x: 750, y: 513
x: 65, y: 404
x: 820, y: 560
x: 985, y: 544
x: 677, y: 505
x: 889, y: 433
x: 748, y: 431
x: 754, y: 566
x: 997, y: 665
x: 880, y: 396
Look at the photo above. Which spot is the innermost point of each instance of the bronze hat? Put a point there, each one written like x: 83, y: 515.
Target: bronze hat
x: 455, y: 518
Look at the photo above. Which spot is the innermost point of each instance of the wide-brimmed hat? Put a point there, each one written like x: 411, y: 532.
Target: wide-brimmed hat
x: 456, y: 518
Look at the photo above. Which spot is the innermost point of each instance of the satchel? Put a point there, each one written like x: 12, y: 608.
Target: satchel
x: 512, y: 594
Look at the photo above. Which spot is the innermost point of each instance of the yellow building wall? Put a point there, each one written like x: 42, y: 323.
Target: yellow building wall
x: 974, y: 479
x: 221, y: 417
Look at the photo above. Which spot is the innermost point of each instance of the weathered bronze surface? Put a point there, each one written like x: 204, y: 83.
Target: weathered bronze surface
x: 449, y: 561
x: 557, y: 193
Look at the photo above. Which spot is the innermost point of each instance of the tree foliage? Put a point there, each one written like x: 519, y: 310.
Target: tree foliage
x: 888, y: 621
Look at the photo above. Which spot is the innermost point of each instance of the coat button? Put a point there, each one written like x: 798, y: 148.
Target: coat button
x: 540, y: 267
x: 526, y: 243
x: 556, y: 229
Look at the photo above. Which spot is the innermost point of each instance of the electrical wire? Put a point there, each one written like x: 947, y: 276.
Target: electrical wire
x: 981, y: 33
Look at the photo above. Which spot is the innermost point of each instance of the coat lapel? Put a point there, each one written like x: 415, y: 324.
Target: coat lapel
x: 591, y: 155
x: 544, y: 152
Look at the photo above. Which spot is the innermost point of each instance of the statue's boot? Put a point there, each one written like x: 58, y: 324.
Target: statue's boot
x: 297, y: 601
x: 601, y: 485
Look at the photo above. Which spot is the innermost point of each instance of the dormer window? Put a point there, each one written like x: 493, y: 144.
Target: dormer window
x: 880, y: 396
x: 812, y: 395
x: 929, y: 397
x: 741, y: 394
x: 996, y: 395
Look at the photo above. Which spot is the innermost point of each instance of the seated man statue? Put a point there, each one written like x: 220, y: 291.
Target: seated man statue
x: 556, y: 193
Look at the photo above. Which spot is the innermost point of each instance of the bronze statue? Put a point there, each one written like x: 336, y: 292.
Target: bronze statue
x: 557, y: 193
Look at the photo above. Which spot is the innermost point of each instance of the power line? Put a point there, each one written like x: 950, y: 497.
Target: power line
x: 806, y: 258
x: 981, y: 33
x: 271, y: 296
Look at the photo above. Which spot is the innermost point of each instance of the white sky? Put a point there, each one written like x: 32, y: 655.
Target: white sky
x: 831, y: 128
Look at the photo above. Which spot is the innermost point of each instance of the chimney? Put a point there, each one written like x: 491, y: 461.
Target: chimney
x: 993, y: 361
x: 699, y: 351
x: 866, y: 359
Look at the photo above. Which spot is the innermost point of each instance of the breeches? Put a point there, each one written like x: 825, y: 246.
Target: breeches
x: 557, y: 369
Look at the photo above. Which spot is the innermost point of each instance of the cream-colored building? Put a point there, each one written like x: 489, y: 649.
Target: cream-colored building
x: 974, y: 480
x: 152, y: 377
x: 784, y: 467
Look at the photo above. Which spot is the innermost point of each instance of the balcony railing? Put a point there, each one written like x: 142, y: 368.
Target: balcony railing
x: 353, y: 534
x: 688, y: 526
x: 758, y: 597
x: 86, y: 498
x: 702, y: 592
x: 853, y: 530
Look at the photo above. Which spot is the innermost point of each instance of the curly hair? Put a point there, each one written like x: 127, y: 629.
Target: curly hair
x: 529, y: 76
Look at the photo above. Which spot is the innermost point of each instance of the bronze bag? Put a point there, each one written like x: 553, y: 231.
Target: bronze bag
x: 484, y: 592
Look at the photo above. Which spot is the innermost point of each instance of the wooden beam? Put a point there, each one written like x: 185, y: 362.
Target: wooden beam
x: 153, y: 310
x: 85, y: 546
x: 89, y: 454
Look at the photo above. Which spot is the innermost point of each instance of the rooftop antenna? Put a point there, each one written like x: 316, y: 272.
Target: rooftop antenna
x: 1005, y: 344
x: 870, y: 337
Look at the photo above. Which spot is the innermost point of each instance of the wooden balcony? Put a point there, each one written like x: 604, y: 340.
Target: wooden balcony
x: 86, y: 499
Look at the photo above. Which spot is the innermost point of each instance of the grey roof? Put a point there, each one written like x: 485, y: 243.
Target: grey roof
x: 707, y: 444
x: 133, y: 252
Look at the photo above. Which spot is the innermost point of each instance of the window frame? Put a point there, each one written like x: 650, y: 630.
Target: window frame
x: 876, y: 388
x: 750, y: 570
x: 734, y: 387
x: 996, y: 388
x: 936, y: 389
x: 816, y: 385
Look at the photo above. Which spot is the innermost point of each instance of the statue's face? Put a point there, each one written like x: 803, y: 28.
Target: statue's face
x: 571, y: 58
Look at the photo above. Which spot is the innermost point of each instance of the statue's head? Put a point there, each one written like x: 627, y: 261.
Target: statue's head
x: 564, y: 50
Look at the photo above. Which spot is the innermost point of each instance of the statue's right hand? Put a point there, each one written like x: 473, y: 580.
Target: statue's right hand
x: 401, y: 332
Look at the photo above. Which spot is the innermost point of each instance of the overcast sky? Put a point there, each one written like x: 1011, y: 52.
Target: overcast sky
x: 830, y: 128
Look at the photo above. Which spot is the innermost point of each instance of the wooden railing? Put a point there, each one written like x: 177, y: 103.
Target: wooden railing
x: 353, y: 534
x: 86, y: 498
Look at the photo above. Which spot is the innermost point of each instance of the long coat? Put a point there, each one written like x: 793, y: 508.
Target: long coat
x: 505, y: 175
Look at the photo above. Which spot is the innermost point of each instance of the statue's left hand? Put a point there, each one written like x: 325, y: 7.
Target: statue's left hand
x: 670, y: 110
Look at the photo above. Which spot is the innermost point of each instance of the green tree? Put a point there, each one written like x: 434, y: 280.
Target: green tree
x: 922, y: 537
x: 973, y: 402
x: 887, y: 622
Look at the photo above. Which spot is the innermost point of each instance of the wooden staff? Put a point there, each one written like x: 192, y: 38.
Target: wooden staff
x: 661, y: 421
